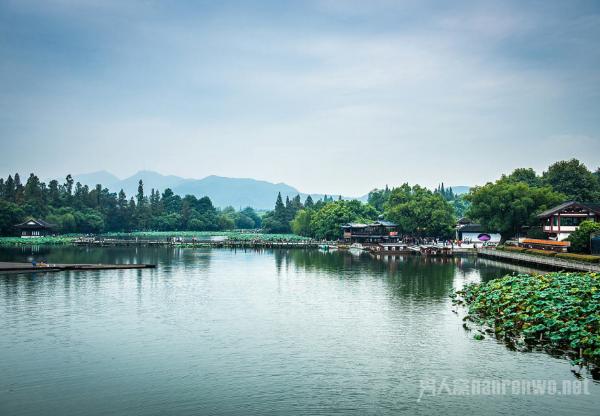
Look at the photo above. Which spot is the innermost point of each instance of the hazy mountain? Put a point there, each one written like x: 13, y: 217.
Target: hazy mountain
x: 237, y: 192
x: 151, y: 180
x: 459, y: 190
x: 103, y: 177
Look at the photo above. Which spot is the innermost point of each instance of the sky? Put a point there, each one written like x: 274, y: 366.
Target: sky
x: 328, y: 96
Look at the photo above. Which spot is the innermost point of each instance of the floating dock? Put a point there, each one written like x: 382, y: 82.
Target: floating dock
x: 51, y: 267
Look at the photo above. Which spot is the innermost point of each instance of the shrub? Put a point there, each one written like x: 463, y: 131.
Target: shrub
x: 546, y: 253
x: 579, y: 257
x: 514, y: 248
x: 580, y: 239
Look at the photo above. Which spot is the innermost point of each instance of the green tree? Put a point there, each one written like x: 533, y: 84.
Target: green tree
x: 226, y: 222
x: 301, y: 223
x: 574, y: 180
x: 525, y: 175
x: 325, y: 223
x: 10, y: 215
x: 418, y: 211
x: 580, y: 238
x: 54, y: 193
x: 506, y: 207
x: 19, y: 189
x: 460, y: 206
x: 309, y: 203
x: 9, y: 189
x: 378, y: 198
x: 250, y: 213
x: 277, y: 221
x: 33, y: 196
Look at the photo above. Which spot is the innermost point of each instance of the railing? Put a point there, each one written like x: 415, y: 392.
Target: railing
x: 547, y: 261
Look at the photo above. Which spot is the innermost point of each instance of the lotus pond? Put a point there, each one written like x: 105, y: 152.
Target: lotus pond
x: 555, y: 312
x: 155, y: 235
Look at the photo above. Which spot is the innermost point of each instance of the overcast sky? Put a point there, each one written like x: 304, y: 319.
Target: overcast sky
x: 328, y: 96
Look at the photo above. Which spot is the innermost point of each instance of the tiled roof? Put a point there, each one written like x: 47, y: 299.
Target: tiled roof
x: 35, y: 224
x: 472, y: 228
x: 592, y: 206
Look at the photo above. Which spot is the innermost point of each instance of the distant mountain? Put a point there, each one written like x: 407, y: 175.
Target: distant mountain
x: 459, y: 190
x: 151, y: 180
x: 237, y: 192
x: 103, y: 177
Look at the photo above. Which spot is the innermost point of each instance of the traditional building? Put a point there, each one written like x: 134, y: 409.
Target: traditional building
x: 35, y: 228
x: 373, y: 233
x: 559, y: 222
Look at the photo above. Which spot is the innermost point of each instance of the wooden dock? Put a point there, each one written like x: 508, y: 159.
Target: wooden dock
x: 189, y: 242
x: 51, y: 267
x: 544, y: 262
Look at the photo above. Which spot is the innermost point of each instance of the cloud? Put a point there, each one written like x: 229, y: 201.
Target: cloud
x: 300, y: 92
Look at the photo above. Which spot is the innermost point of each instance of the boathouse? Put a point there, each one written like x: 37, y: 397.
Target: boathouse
x: 559, y: 222
x: 377, y: 232
x: 35, y: 228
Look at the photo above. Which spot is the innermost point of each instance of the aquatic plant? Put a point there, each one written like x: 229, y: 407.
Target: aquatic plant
x: 231, y: 235
x: 558, y: 312
x: 49, y: 240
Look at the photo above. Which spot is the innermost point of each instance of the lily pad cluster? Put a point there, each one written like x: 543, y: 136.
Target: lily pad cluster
x: 49, y: 240
x: 559, y: 312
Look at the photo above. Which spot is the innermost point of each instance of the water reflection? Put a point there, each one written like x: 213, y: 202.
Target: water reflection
x: 241, y: 332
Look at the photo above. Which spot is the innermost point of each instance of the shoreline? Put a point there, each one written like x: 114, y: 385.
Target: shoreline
x: 540, y: 261
x: 238, y: 239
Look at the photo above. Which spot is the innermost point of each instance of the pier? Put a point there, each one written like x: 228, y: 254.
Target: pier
x: 191, y: 242
x: 50, y: 267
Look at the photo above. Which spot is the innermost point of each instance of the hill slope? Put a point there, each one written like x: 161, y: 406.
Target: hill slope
x: 237, y: 192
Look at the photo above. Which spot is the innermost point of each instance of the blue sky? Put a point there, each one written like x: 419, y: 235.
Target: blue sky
x: 329, y: 96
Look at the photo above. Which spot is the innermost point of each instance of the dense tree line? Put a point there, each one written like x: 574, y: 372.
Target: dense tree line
x: 511, y: 204
x: 417, y: 210
x: 76, y: 208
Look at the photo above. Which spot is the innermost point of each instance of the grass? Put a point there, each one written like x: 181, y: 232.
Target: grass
x: 557, y: 312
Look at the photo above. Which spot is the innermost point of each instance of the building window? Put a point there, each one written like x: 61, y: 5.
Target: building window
x: 571, y: 221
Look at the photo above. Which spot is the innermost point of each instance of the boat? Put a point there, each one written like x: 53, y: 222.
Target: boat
x: 356, y: 246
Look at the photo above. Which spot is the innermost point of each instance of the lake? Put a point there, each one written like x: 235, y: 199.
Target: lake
x: 284, y: 332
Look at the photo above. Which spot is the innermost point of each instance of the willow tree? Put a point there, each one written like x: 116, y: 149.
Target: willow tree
x: 507, y: 207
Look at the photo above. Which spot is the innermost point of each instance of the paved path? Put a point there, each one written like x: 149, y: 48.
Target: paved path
x: 557, y: 263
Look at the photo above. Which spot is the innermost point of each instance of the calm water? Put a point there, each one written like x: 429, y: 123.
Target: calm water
x: 246, y: 333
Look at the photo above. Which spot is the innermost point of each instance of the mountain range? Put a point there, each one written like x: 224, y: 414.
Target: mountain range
x: 223, y: 191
